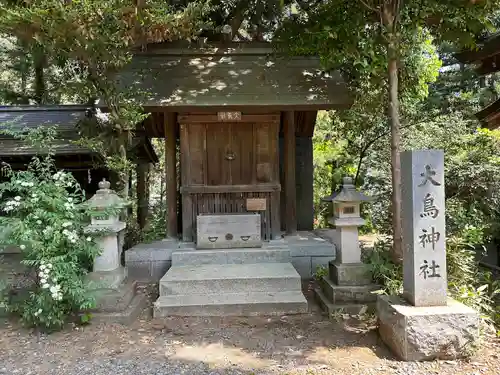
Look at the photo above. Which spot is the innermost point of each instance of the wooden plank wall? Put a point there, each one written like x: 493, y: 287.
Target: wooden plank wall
x: 224, y: 163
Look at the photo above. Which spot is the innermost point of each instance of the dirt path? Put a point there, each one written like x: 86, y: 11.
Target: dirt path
x: 308, y: 344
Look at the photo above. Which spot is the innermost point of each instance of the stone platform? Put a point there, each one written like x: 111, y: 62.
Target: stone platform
x: 427, y: 333
x: 231, y: 282
x: 308, y: 250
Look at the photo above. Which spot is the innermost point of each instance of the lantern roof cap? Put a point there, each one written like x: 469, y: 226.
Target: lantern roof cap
x: 105, y: 198
x: 348, y: 193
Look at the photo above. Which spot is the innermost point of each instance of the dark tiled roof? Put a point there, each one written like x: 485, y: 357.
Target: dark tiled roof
x: 235, y: 75
x: 64, y: 118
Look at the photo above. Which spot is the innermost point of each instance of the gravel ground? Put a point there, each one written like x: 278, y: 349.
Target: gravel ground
x: 307, y: 344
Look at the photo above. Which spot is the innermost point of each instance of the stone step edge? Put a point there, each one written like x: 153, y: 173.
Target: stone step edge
x: 345, y: 308
x: 231, y: 299
x: 191, y: 270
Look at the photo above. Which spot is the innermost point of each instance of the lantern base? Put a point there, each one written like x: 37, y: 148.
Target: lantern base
x: 350, y: 273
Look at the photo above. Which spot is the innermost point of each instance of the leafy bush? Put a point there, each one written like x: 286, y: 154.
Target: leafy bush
x: 45, y: 218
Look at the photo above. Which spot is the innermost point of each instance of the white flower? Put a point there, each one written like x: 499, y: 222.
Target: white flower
x: 45, y: 286
x: 22, y: 247
x: 70, y: 199
x: 72, y: 240
x: 31, y: 184
x: 17, y: 198
x: 55, y: 289
x: 43, y: 281
x: 49, y: 266
x: 39, y: 311
x: 24, y: 183
x: 89, y: 239
x: 39, y: 222
x: 67, y: 224
x: 33, y: 195
x: 36, y: 313
x: 19, y: 182
x: 41, y: 274
x: 42, y: 267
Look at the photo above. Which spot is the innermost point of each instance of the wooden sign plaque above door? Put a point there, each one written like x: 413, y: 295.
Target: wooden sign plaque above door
x: 229, y: 116
x: 256, y: 204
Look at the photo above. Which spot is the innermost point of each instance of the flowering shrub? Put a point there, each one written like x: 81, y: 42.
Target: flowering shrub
x: 45, y: 218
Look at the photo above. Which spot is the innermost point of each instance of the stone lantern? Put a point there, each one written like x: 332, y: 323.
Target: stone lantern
x: 110, y: 235
x: 347, y: 220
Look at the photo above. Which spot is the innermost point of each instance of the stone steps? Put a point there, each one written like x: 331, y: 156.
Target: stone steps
x: 230, y: 278
x: 343, y: 308
x: 193, y: 257
x: 231, y: 304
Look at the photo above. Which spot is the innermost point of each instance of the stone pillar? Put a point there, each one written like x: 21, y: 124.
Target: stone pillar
x: 424, y: 323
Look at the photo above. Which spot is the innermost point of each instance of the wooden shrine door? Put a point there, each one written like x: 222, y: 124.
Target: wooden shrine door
x: 225, y: 163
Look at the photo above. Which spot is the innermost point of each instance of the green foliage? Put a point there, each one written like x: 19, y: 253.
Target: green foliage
x: 45, y: 218
x: 320, y: 272
x: 385, y: 272
x: 83, y: 44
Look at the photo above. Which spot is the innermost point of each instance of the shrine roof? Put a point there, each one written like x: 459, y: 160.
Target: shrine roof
x: 489, y: 115
x: 486, y: 56
x: 22, y: 118
x: 231, y: 75
x: 66, y: 120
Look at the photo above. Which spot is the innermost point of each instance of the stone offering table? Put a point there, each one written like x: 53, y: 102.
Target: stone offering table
x: 425, y: 324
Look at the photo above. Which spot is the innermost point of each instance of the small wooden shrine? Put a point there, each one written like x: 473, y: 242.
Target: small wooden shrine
x: 486, y: 58
x: 239, y: 119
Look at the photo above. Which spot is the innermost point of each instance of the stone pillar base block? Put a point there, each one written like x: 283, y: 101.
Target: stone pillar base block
x: 427, y: 333
x: 108, y: 279
x: 350, y: 273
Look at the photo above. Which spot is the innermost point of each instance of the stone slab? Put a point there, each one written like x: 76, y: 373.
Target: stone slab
x: 228, y: 231
x: 155, y: 251
x: 149, y: 271
x: 231, y: 304
x: 427, y: 333
x: 230, y: 278
x: 344, y: 308
x: 115, y: 299
x: 308, y: 244
x: 108, y: 279
x: 231, y: 256
x: 350, y: 274
x: 348, y: 293
x: 126, y: 316
x: 423, y: 224
x: 303, y: 266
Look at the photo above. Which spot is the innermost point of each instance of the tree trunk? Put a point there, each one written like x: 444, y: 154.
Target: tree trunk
x: 39, y: 66
x: 395, y: 156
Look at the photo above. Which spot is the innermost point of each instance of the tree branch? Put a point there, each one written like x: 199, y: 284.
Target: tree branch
x: 368, y: 6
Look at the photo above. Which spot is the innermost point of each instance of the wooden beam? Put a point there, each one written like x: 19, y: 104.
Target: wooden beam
x: 187, y: 199
x: 289, y: 170
x: 202, y: 189
x: 171, y: 174
x: 142, y: 196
